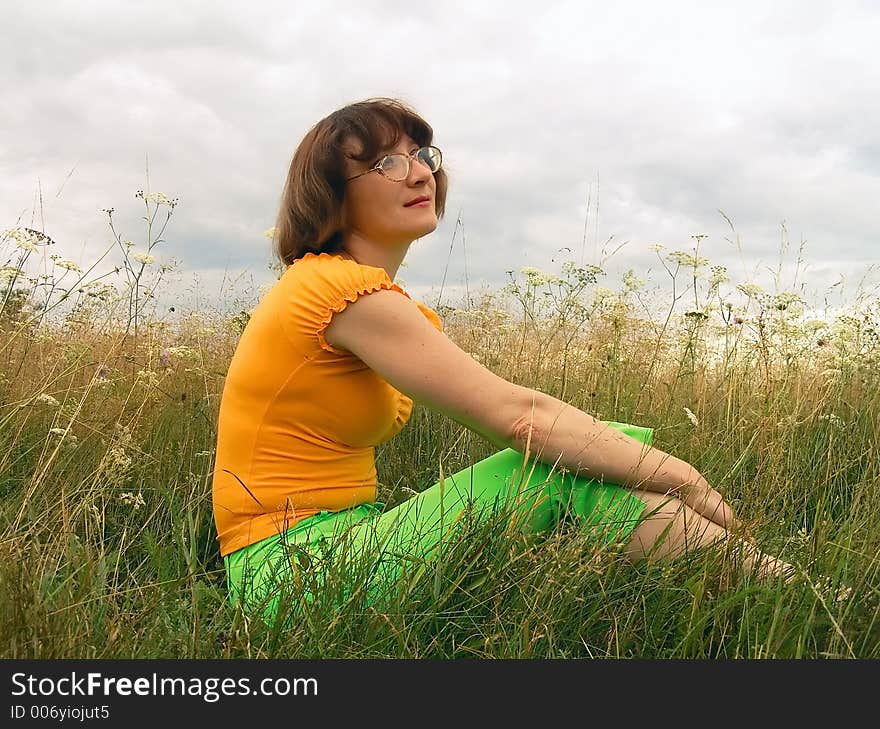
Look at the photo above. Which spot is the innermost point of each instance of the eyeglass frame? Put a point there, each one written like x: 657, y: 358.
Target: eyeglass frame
x: 409, y: 158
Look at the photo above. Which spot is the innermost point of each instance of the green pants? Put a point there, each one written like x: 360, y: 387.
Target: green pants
x: 537, y: 494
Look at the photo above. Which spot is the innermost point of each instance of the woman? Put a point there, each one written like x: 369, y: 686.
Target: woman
x: 334, y: 355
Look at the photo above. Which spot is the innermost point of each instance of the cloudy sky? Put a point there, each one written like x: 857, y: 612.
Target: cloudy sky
x: 570, y: 130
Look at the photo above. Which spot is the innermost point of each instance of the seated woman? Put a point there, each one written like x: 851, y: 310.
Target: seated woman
x: 335, y: 354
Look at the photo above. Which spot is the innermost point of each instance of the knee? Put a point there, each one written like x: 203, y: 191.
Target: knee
x: 662, y: 506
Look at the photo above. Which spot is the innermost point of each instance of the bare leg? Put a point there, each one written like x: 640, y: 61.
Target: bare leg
x: 675, y: 528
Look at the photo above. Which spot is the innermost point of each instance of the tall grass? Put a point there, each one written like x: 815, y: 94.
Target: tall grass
x: 107, y: 432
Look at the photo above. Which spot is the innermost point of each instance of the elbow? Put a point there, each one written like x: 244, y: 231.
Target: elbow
x: 527, y: 430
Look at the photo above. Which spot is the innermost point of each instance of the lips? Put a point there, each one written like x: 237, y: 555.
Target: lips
x: 421, y: 198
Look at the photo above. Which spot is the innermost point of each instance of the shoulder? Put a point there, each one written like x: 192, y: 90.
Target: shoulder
x: 321, y: 286
x: 328, y: 276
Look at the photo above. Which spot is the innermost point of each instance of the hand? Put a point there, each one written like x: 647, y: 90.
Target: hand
x: 707, y: 502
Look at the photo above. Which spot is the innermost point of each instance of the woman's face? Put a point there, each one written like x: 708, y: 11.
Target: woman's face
x: 375, y: 205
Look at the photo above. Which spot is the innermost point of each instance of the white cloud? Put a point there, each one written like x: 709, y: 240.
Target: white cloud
x: 680, y: 110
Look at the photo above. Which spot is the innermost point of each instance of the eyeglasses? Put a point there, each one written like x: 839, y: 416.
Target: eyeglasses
x: 396, y: 167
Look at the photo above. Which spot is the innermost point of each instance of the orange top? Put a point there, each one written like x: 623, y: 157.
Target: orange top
x: 299, y: 418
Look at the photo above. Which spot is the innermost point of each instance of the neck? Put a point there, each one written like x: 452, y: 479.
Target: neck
x: 381, y: 255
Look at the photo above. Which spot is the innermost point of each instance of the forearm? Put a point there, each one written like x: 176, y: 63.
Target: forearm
x: 557, y: 432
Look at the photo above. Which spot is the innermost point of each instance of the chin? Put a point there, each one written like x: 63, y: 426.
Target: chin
x: 417, y: 230
x: 425, y: 230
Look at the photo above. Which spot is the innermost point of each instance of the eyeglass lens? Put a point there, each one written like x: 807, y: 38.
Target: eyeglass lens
x: 396, y: 166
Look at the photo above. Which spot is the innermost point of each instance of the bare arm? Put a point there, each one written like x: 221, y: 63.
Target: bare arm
x: 586, y: 446
x: 391, y: 336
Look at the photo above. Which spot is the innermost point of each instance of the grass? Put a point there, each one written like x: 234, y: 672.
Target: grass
x: 107, y: 433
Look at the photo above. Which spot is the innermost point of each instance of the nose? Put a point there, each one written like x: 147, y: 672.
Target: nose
x: 418, y: 170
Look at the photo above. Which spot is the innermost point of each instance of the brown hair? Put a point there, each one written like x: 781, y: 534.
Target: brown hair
x: 311, y: 216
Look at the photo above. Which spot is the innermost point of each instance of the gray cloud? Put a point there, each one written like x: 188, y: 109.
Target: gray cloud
x: 769, y: 114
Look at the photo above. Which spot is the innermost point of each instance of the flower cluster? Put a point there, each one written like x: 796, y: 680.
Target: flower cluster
x: 719, y: 276
x: 8, y: 273
x: 116, y: 462
x: 144, y: 258
x: 684, y: 258
x: 601, y: 293
x: 27, y: 238
x: 787, y: 300
x: 98, y: 290
x: 148, y: 377
x: 752, y: 290
x: 68, y: 440
x: 160, y: 198
x: 47, y: 399
x: 180, y: 351
x: 68, y: 265
x: 537, y: 277
x: 136, y: 501
x: 631, y: 281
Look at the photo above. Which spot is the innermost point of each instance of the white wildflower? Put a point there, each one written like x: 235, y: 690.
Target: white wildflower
x: 68, y: 440
x: 118, y: 458
x: 7, y: 273
x: 184, y: 352
x: 750, y: 289
x: 534, y: 276
x: 98, y: 290
x: 144, y: 258
x: 832, y: 418
x: 691, y: 417
x: 25, y: 238
x: 270, y: 233
x: 48, y: 400
x: 136, y: 501
x: 683, y: 258
x: 69, y: 265
x: 657, y: 247
x: 719, y: 275
x: 697, y: 315
x: 148, y: 377
x: 160, y: 198
x: 631, y: 281
x: 204, y: 454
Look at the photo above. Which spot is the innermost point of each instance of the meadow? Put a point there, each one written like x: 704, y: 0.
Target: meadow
x: 108, y: 410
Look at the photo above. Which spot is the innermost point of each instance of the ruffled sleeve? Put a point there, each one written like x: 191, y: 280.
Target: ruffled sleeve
x: 351, y: 281
x: 325, y: 284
